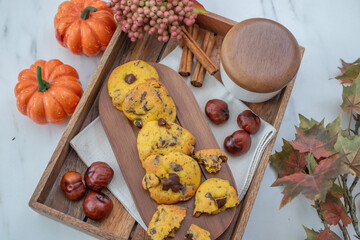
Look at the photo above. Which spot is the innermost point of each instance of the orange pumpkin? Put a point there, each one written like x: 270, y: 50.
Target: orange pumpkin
x: 48, y: 92
x: 84, y: 26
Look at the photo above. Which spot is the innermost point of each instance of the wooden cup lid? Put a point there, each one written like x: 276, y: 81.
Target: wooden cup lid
x: 260, y: 55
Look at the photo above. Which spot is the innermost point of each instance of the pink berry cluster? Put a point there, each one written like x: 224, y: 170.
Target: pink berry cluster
x: 153, y: 16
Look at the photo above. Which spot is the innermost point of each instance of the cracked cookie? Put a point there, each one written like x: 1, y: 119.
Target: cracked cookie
x: 214, y: 196
x: 165, y: 221
x: 149, y: 101
x: 126, y: 77
x: 160, y: 137
x: 171, y: 178
x: 211, y: 159
x: 197, y: 233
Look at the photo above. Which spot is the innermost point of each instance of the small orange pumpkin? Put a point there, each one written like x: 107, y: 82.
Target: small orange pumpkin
x: 84, y: 26
x: 48, y: 92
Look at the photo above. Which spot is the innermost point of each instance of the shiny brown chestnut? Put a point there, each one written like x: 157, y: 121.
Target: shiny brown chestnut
x: 217, y: 111
x: 238, y: 143
x: 98, y: 176
x: 72, y: 185
x: 97, y: 206
x: 249, y: 121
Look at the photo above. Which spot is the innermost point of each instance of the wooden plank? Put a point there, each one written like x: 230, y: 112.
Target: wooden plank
x: 215, y: 23
x: 124, y: 144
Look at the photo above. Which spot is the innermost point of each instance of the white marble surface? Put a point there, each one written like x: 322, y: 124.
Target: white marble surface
x: 327, y: 29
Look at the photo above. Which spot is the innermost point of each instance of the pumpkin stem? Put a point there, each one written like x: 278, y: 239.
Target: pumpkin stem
x: 85, y: 13
x: 43, y: 85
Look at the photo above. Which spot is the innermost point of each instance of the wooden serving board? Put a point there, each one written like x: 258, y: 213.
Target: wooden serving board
x: 122, y: 136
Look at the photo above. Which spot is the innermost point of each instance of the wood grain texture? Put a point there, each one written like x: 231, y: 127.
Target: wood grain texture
x: 45, y: 199
x: 260, y: 55
x: 123, y: 141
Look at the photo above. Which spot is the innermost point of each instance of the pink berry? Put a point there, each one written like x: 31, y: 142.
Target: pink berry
x: 165, y: 39
x: 174, y: 35
x: 178, y: 9
x: 171, y: 19
x: 159, y: 13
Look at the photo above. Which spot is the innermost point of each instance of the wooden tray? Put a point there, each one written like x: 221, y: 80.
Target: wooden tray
x: 48, y: 199
x: 189, y: 116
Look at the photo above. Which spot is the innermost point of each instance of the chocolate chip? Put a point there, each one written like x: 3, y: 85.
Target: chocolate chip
x: 172, y: 182
x: 157, y: 94
x: 223, y: 158
x: 163, y: 123
x: 138, y: 123
x: 220, y: 202
x: 176, y: 167
x: 153, y: 231
x: 145, y: 107
x: 189, y: 236
x: 157, y: 160
x: 208, y: 195
x: 137, y: 63
x: 143, y: 95
x: 130, y: 78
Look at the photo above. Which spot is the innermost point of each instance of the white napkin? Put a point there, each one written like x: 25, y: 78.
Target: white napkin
x: 91, y: 144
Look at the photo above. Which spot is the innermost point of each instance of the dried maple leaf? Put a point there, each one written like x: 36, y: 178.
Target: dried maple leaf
x: 349, y: 71
x: 306, y: 124
x: 311, y: 163
x: 349, y: 146
x: 346, y: 65
x: 314, y: 186
x: 198, y: 8
x: 316, y: 140
x: 288, y: 161
x: 334, y: 211
x: 351, y: 97
x: 311, y: 234
x: 336, y: 191
x: 327, y: 234
x: 334, y: 127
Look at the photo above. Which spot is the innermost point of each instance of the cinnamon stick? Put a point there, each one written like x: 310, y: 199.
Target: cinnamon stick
x: 196, y: 73
x: 199, y: 53
x: 197, y: 79
x: 184, y: 58
x: 190, y: 55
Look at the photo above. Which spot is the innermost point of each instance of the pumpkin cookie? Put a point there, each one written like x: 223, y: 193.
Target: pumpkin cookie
x: 197, y: 233
x: 171, y: 178
x: 160, y: 137
x: 211, y: 158
x: 214, y: 196
x: 165, y: 221
x: 126, y: 77
x: 149, y: 101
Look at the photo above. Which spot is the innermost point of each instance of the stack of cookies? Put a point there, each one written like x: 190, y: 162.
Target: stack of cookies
x: 166, y: 152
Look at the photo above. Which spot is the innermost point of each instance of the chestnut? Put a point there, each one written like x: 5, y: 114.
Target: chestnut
x: 217, y: 111
x: 249, y: 121
x: 98, y: 176
x: 97, y: 206
x: 238, y: 143
x: 72, y: 185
